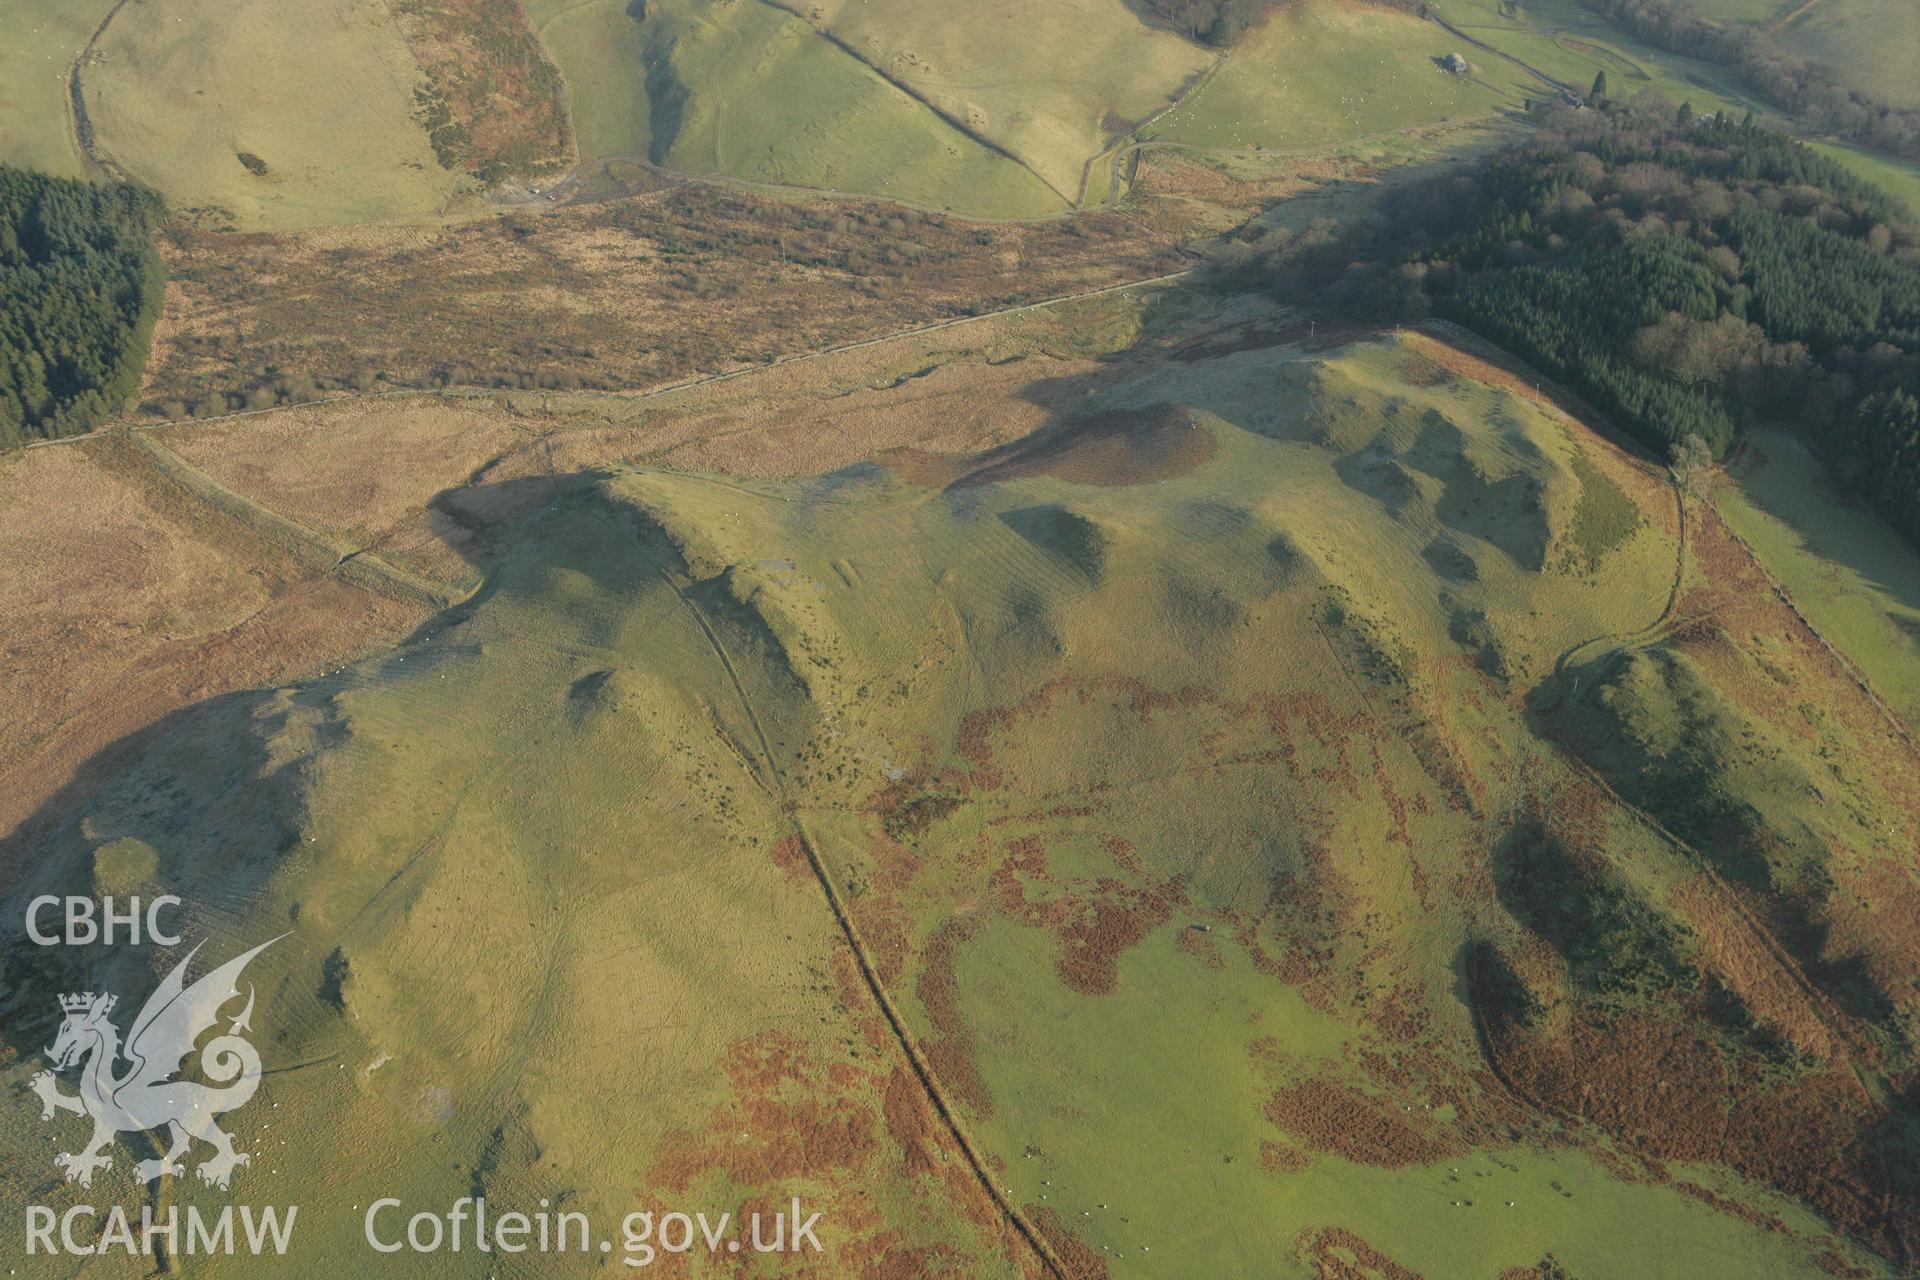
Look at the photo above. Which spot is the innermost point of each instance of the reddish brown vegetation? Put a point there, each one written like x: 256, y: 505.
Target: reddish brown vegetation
x: 790, y: 855
x: 791, y: 1117
x: 1121, y: 447
x: 949, y: 1051
x: 1094, y: 922
x: 495, y: 103
x: 1278, y: 1157
x: 1338, y: 1254
x: 1667, y: 1093
x: 1333, y: 1117
x: 802, y: 1120
x: 1077, y: 1258
x: 625, y: 294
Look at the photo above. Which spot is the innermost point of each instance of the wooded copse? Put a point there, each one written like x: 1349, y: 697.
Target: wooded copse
x: 80, y: 288
x: 1690, y: 280
x: 1796, y: 86
x: 1221, y: 22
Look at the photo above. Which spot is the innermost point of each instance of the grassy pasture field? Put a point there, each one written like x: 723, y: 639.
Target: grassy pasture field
x: 1326, y: 73
x: 1053, y: 84
x: 743, y: 89
x: 1901, y: 177
x: 1547, y: 34
x: 1868, y: 44
x: 694, y: 87
x: 321, y: 97
x: 602, y: 56
x: 1195, y: 705
x: 43, y: 39
x: 1853, y: 575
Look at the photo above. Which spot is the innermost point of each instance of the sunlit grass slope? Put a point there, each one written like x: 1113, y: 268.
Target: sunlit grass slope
x: 1851, y: 573
x: 1901, y: 177
x: 1868, y: 44
x: 1053, y: 84
x: 743, y: 89
x: 319, y: 96
x: 1208, y: 782
x: 1570, y: 42
x: 43, y: 39
x: 1328, y: 72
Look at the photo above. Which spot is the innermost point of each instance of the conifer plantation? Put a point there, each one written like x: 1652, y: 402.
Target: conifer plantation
x: 1692, y: 279
x: 80, y: 286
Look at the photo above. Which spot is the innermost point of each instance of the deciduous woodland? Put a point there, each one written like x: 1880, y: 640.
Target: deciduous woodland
x: 1799, y: 87
x: 1690, y: 278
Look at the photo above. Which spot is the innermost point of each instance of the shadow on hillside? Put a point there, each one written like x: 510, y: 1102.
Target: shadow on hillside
x: 478, y: 522
x: 173, y: 786
x: 1887, y: 564
x: 202, y: 787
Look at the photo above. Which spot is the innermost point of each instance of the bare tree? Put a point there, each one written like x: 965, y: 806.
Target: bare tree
x: 1691, y: 460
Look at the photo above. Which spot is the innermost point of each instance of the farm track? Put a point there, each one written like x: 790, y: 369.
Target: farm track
x: 1482, y: 45
x: 1659, y: 625
x: 1791, y: 18
x: 1856, y: 1051
x: 1110, y: 203
x: 1844, y: 1034
x: 1850, y: 1045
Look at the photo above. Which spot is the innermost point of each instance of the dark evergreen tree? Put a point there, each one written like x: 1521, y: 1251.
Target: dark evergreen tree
x: 1687, y: 278
x: 80, y: 288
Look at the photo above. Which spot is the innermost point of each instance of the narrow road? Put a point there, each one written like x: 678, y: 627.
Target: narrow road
x: 1791, y: 18
x: 1665, y: 617
x: 1478, y: 43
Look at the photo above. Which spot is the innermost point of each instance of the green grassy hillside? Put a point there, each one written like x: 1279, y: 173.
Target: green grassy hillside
x: 999, y: 115
x: 748, y: 90
x: 1846, y: 569
x: 1567, y: 40
x: 43, y: 39
x: 1323, y: 73
x: 1196, y: 792
x: 267, y: 113
x: 1868, y: 44
x: 1899, y: 177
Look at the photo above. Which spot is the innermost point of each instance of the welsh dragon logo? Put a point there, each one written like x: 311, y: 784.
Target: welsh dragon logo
x: 148, y: 1095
